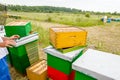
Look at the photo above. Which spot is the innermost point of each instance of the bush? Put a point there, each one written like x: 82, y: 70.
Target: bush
x: 87, y: 15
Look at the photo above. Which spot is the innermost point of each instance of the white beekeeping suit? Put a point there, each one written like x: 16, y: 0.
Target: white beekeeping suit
x: 3, y: 51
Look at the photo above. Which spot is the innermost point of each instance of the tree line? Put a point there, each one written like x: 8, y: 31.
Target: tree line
x: 45, y: 9
x: 51, y: 9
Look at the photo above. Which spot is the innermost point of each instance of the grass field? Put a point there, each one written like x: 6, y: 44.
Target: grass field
x: 62, y: 18
x: 104, y: 37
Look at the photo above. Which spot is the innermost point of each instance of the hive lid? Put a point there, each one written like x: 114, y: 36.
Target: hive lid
x: 67, y: 29
x: 26, y: 39
x: 98, y: 64
x: 67, y: 56
x: 17, y: 23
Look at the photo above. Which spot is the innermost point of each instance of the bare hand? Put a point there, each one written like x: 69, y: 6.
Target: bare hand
x: 9, y: 43
x: 14, y: 37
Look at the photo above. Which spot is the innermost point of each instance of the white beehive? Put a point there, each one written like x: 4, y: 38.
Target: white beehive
x: 99, y: 65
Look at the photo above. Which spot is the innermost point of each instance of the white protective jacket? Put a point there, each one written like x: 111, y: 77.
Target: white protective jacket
x: 3, y: 51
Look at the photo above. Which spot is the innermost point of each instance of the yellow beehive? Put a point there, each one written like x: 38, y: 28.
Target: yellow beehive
x: 67, y: 37
x: 38, y: 71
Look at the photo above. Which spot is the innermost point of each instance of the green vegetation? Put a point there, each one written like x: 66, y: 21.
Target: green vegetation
x: 87, y: 15
x: 43, y: 33
x: 61, y: 15
x: 44, y: 9
x: 61, y: 18
x: 50, y: 9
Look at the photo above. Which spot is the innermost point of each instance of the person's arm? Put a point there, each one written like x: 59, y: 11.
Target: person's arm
x: 8, y: 41
x: 2, y: 44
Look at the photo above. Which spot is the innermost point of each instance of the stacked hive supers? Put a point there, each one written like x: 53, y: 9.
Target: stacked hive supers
x: 60, y: 63
x: 22, y: 55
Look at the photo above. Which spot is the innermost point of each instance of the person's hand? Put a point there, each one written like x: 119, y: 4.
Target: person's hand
x: 9, y: 43
x: 14, y: 37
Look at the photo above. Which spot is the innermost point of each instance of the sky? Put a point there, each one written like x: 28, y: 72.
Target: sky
x: 89, y: 5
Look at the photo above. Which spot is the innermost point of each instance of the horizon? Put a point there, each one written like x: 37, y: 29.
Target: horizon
x: 96, y: 6
x: 63, y: 7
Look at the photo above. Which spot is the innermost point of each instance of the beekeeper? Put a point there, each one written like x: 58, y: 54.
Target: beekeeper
x: 5, y: 42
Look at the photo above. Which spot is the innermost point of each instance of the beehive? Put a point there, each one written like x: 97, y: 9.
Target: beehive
x: 67, y: 37
x: 24, y: 53
x: 97, y: 65
x: 60, y: 63
x: 21, y: 28
x: 38, y: 71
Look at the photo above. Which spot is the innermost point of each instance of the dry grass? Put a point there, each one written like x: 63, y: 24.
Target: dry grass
x: 105, y: 38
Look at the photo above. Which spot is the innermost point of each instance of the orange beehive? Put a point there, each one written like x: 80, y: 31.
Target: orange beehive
x: 67, y: 37
x: 37, y: 71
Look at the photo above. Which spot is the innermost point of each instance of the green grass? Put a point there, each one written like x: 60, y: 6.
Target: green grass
x: 43, y: 33
x: 61, y: 18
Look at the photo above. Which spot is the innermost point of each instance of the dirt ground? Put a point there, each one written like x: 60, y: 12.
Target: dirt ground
x: 104, y: 38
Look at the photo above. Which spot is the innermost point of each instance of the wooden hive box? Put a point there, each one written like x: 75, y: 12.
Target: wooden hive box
x: 38, y: 71
x: 67, y: 37
x: 21, y: 28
